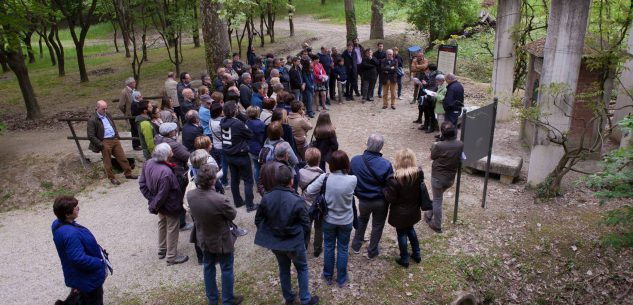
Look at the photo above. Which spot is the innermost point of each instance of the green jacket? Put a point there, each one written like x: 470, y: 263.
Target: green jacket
x: 146, y: 135
x: 439, y: 99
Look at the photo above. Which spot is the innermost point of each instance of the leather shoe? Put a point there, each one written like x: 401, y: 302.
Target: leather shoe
x: 422, y: 127
x: 400, y: 262
x: 138, y: 148
x: 252, y: 208
x: 317, y: 252
x: 430, y: 130
x: 178, y: 260
x: 238, y: 299
x: 417, y: 121
x: 186, y: 227
x: 393, y: 107
x: 417, y: 260
x: 132, y: 177
x: 114, y: 181
x: 434, y: 228
x: 162, y: 254
x: 384, y: 107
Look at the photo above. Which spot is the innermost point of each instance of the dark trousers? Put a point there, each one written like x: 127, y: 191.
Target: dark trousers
x: 240, y: 168
x: 452, y: 116
x: 227, y: 277
x: 352, y: 81
x: 403, y: 236
x: 91, y: 298
x: 377, y: 209
x: 182, y: 183
x: 300, y: 260
x: 332, y: 86
x: 179, y: 115
x: 367, y: 90
x: 317, y: 245
x: 134, y: 130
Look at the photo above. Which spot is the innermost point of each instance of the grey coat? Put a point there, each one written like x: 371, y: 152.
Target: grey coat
x: 213, y: 214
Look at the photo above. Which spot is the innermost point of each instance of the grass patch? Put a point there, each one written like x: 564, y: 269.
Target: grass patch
x: 334, y: 10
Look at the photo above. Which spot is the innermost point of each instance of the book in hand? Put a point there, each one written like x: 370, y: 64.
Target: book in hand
x: 430, y: 93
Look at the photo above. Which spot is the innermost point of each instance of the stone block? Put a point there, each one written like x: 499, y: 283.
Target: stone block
x: 506, y: 167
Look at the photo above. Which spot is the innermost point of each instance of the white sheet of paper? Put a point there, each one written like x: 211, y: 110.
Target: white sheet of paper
x: 429, y: 92
x: 416, y: 81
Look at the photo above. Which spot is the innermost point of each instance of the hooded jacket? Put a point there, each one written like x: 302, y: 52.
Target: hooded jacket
x: 146, y: 135
x: 235, y: 136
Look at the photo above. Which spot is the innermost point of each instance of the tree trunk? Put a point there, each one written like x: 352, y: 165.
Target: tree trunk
x: 15, y: 60
x: 322, y: 2
x: 122, y: 18
x: 4, y: 65
x: 114, y: 36
x: 508, y: 16
x: 271, y: 22
x: 51, y: 52
x: 350, y: 20
x: 83, y: 73
x: 29, y: 48
x: 567, y: 24
x: 261, y: 29
x: 41, y: 48
x: 196, y: 28
x: 291, y: 13
x: 376, y: 30
x: 53, y: 38
x: 126, y: 42
x: 214, y: 33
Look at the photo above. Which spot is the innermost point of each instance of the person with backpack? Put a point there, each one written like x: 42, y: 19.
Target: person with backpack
x: 235, y: 136
x: 403, y: 195
x: 272, y: 151
x: 337, y: 224
x: 307, y: 175
x: 84, y: 262
x: 372, y: 171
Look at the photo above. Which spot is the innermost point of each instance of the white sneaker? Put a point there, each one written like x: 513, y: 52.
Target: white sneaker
x: 399, y: 98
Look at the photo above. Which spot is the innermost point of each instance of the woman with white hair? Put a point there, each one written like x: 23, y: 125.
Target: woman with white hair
x: 439, y: 98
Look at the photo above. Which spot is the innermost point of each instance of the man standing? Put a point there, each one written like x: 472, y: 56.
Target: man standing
x: 446, y: 156
x: 228, y: 68
x: 171, y: 91
x: 125, y: 105
x: 352, y: 71
x: 246, y: 90
x: 419, y: 65
x: 235, y: 136
x: 282, y: 222
x: 159, y: 186
x: 296, y: 81
x: 259, y: 92
x: 284, y: 75
x: 191, y: 130
x: 104, y: 138
x: 335, y: 56
x: 213, y: 213
x: 185, y: 83
x: 267, y: 176
x: 454, y: 99
x: 145, y: 128
x: 204, y: 113
x: 238, y: 66
x: 187, y: 102
x: 372, y: 172
x: 397, y: 57
x: 380, y: 54
x: 82, y: 259
x: 180, y: 155
x: 326, y: 62
x: 389, y: 69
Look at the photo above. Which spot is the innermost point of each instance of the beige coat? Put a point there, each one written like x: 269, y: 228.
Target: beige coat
x: 300, y: 126
x: 171, y: 91
x: 125, y: 101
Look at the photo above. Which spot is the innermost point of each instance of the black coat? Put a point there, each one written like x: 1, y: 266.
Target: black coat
x: 454, y: 98
x: 295, y: 78
x: 388, y: 70
x: 282, y: 220
x: 327, y: 146
x: 404, y: 201
x: 369, y: 67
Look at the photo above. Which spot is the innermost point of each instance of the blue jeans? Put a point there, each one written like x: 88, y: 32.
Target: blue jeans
x: 297, y: 94
x: 403, y: 235
x: 380, y: 88
x: 218, y: 155
x: 307, y: 101
x: 336, y: 236
x: 300, y: 260
x: 452, y: 116
x: 256, y: 167
x: 240, y: 167
x: 210, y: 286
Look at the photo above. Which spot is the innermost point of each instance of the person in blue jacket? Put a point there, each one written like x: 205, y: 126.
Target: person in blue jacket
x: 83, y: 261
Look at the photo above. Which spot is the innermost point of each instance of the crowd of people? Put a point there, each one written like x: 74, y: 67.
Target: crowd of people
x: 248, y: 127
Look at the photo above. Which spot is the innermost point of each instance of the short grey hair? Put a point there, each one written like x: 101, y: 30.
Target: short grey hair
x: 206, y: 176
x: 129, y: 80
x: 192, y: 116
x: 451, y: 77
x: 389, y: 51
x: 161, y: 152
x: 282, y: 149
x: 136, y: 95
x: 198, y: 158
x: 439, y: 77
x: 375, y: 142
x: 274, y: 73
x: 245, y: 75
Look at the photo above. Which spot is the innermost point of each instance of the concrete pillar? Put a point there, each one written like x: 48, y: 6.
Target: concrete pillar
x: 508, y: 16
x: 624, y: 103
x: 567, y: 25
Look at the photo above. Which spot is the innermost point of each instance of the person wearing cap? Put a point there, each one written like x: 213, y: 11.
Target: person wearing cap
x: 180, y: 156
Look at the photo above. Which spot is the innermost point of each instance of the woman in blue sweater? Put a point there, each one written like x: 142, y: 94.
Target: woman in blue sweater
x: 83, y: 262
x: 308, y: 85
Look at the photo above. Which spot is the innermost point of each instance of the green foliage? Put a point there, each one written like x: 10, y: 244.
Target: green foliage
x: 334, y: 10
x: 622, y: 220
x: 440, y: 18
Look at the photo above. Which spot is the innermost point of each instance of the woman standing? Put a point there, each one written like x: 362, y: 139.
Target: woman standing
x: 403, y: 195
x: 308, y: 85
x: 325, y: 135
x: 259, y: 135
x: 369, y: 73
x: 321, y: 79
x: 337, y: 224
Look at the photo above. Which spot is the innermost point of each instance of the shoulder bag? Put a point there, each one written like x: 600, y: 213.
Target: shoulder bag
x: 319, y: 209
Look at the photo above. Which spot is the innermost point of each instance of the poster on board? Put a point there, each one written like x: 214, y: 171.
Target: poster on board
x: 447, y: 58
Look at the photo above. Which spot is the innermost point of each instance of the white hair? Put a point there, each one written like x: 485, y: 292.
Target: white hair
x: 439, y: 77
x: 375, y: 142
x: 282, y: 149
x: 161, y: 152
x: 129, y: 80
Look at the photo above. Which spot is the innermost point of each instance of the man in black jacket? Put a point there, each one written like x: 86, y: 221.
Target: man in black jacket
x: 296, y: 81
x: 454, y: 99
x: 104, y: 138
x: 235, y: 136
x: 380, y: 54
x: 352, y: 71
x: 246, y: 90
x: 191, y: 129
x: 282, y: 222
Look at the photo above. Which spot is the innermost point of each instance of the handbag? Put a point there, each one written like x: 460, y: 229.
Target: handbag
x: 355, y: 211
x: 319, y: 209
x: 400, y: 71
x: 426, y: 204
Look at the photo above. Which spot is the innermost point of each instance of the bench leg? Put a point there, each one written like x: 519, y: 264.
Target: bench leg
x: 506, y: 179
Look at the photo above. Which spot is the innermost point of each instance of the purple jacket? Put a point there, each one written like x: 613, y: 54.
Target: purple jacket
x: 159, y: 185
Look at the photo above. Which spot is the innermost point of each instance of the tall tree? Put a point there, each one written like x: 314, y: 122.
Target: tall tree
x: 291, y: 13
x: 169, y: 18
x: 214, y: 33
x: 350, y: 20
x: 12, y: 21
x: 376, y: 30
x: 195, y: 25
x: 78, y: 14
x: 124, y: 24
